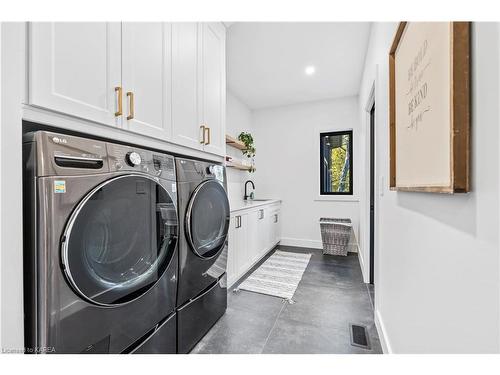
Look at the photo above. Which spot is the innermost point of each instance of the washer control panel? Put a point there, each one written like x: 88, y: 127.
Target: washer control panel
x: 133, y: 158
x: 128, y: 158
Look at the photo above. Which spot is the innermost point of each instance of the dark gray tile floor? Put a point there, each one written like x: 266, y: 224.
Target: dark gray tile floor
x: 330, y: 295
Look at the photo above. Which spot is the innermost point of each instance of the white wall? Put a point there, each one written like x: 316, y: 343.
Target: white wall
x: 238, y: 119
x: 287, y: 140
x: 11, y: 256
x: 437, y: 262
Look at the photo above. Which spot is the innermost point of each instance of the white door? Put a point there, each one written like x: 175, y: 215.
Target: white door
x: 74, y: 68
x: 214, y: 87
x: 186, y: 85
x: 146, y: 78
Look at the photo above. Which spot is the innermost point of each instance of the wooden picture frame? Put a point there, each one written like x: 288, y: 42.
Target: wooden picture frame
x: 457, y: 152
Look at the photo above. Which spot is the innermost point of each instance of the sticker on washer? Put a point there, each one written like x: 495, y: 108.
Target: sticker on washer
x: 59, y: 186
x: 219, y: 173
x: 174, y: 188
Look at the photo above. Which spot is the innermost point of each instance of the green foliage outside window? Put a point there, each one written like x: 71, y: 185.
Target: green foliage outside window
x: 340, y: 171
x: 336, y: 163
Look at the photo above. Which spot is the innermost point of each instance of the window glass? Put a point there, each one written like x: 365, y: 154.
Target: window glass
x: 336, y: 163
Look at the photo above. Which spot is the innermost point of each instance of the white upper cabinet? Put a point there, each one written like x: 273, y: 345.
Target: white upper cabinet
x: 146, y: 78
x: 162, y: 80
x: 214, y: 86
x: 74, y: 68
x: 199, y: 86
x: 186, y: 103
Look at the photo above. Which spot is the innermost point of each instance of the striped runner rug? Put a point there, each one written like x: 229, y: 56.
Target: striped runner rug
x: 279, y: 275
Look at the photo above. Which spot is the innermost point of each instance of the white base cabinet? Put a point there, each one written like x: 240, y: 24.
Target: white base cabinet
x: 252, y: 234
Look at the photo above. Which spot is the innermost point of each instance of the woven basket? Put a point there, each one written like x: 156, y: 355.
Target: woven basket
x: 335, y: 234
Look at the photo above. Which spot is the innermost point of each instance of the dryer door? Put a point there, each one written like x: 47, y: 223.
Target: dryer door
x: 207, y: 219
x: 120, y: 239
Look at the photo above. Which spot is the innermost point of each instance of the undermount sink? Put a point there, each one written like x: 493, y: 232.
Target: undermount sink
x: 257, y: 200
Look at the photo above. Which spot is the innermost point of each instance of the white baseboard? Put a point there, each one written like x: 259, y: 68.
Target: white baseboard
x: 311, y: 244
x: 362, y: 266
x: 382, y: 334
x: 301, y: 242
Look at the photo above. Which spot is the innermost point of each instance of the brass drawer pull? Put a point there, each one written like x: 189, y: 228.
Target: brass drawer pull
x: 203, y: 128
x: 130, y: 95
x: 119, y: 112
x: 208, y: 142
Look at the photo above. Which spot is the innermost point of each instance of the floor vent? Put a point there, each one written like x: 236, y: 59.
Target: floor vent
x: 359, y: 336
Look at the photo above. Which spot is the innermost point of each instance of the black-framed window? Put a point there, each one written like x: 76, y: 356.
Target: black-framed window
x: 336, y: 171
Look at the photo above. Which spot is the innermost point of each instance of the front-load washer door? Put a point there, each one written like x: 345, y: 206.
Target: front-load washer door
x: 120, y: 239
x: 207, y: 219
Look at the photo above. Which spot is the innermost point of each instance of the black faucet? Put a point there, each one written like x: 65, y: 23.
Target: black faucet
x: 253, y: 186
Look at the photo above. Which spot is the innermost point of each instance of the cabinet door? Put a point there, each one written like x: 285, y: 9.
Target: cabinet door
x: 253, y: 235
x: 186, y: 85
x: 270, y: 227
x: 146, y: 75
x: 75, y: 67
x: 231, y: 247
x: 263, y: 232
x: 275, y: 235
x: 243, y: 250
x: 277, y: 227
x: 214, y: 86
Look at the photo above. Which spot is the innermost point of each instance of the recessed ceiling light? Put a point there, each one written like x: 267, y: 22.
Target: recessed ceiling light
x: 310, y: 70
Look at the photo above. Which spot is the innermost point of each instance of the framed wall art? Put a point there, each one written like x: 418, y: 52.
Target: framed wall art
x: 429, y: 90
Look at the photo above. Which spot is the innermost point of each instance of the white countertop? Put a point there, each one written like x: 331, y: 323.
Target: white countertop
x: 245, y: 205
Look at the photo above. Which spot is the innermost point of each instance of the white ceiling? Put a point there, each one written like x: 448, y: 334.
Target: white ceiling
x: 266, y: 61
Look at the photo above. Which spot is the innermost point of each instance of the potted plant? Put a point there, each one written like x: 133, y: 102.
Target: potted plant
x: 249, y: 150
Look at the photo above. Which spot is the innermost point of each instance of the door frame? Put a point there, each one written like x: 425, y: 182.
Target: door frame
x: 372, y: 190
x: 365, y: 207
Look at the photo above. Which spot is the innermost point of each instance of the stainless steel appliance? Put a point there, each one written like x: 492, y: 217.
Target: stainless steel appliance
x: 204, y: 209
x: 100, y: 237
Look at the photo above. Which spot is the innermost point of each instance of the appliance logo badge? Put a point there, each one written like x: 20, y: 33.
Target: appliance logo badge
x: 59, y: 186
x: 60, y: 140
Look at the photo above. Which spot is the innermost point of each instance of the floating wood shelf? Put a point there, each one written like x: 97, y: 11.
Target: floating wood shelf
x: 238, y: 165
x: 233, y: 142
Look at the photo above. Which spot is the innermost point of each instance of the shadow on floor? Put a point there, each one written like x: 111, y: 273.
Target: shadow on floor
x: 330, y: 295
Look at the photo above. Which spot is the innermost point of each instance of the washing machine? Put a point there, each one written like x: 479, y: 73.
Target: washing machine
x: 204, y: 215
x: 100, y: 247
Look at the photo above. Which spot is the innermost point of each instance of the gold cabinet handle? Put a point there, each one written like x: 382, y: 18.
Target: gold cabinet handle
x: 208, y: 142
x: 203, y: 129
x: 119, y: 112
x: 130, y: 95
